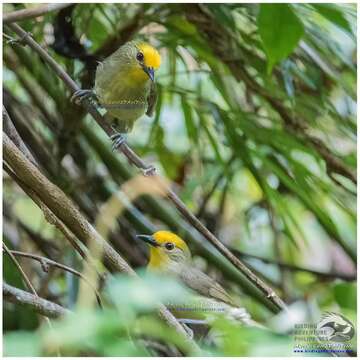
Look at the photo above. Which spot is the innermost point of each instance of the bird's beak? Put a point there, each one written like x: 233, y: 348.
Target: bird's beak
x: 148, y: 239
x: 150, y: 72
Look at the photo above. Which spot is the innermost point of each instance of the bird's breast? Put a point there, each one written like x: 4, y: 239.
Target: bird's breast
x: 120, y: 95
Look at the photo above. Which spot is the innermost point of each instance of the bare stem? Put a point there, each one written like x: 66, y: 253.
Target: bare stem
x: 23, y: 275
x: 40, y: 305
x: 24, y: 14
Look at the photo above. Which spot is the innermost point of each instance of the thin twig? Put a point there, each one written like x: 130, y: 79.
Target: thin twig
x: 25, y: 277
x: 44, y: 307
x: 45, y: 262
x: 22, y: 272
x: 135, y: 160
x: 24, y: 14
x: 217, y: 182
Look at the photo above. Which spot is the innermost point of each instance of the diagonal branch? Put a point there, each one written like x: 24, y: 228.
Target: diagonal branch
x: 40, y: 305
x: 135, y: 160
x: 22, y: 273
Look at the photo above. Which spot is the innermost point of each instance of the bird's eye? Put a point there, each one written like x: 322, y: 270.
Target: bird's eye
x: 140, y: 56
x: 169, y: 246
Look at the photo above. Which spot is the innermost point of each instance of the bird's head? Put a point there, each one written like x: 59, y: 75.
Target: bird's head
x: 166, y: 249
x: 141, y: 59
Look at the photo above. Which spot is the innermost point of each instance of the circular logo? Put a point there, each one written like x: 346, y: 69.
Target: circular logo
x: 335, y: 327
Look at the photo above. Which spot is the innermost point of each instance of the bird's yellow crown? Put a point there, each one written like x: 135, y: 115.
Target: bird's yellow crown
x: 163, y: 237
x: 152, y: 58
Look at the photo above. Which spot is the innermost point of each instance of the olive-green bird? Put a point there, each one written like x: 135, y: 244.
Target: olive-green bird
x: 170, y: 255
x: 125, y: 86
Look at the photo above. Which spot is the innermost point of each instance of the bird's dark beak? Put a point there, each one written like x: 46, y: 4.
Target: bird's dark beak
x: 150, y: 72
x: 148, y: 239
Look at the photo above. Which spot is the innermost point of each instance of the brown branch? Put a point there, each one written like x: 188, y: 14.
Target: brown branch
x: 56, y: 200
x: 40, y: 305
x: 220, y: 42
x: 138, y: 162
x: 24, y: 14
x: 44, y: 265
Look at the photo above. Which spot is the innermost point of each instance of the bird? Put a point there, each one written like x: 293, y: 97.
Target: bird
x: 170, y: 255
x: 125, y: 87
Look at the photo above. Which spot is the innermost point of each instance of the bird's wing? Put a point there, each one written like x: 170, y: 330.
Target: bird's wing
x: 204, y: 285
x: 151, y: 100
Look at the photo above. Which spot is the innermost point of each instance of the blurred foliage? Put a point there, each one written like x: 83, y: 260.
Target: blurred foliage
x: 256, y: 127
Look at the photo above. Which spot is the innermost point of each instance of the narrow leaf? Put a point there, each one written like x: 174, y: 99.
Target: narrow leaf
x: 280, y: 31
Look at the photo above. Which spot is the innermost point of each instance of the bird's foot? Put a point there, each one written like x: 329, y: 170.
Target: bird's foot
x: 20, y: 41
x: 80, y: 95
x: 117, y: 140
x: 193, y: 321
x: 189, y: 332
x: 186, y: 322
x: 149, y: 171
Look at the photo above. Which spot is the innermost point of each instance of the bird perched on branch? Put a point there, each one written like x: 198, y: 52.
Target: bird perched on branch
x: 125, y: 86
x: 170, y: 255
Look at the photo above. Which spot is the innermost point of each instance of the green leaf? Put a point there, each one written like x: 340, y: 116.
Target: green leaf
x: 191, y: 126
x: 280, y: 31
x: 345, y: 295
x: 334, y: 15
x: 21, y: 343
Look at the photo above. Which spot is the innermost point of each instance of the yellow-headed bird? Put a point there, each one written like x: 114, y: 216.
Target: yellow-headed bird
x: 170, y: 255
x: 125, y: 86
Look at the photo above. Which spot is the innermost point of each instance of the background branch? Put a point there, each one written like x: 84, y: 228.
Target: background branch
x: 34, y: 12
x: 38, y: 304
